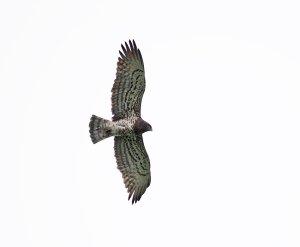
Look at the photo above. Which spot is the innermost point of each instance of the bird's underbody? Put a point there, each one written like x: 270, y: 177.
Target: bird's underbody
x: 102, y: 128
x: 127, y: 125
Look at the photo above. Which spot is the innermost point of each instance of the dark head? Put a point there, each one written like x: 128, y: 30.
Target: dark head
x: 141, y: 126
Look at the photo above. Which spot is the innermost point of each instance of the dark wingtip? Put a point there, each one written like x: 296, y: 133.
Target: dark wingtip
x: 121, y: 54
x: 130, y: 44
x: 127, y: 47
x: 135, y: 197
x: 130, y: 49
x: 123, y: 48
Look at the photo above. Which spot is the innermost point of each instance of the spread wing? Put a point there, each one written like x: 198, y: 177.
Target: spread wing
x: 129, y: 86
x: 134, y: 164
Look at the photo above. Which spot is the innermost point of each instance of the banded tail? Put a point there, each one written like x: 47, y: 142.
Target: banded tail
x: 100, y: 129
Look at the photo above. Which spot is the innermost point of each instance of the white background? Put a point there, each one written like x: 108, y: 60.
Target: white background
x: 222, y: 95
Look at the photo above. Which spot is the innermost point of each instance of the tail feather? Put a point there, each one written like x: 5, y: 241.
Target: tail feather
x: 99, y: 129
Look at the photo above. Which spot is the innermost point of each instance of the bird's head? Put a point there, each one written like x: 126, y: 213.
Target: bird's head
x: 149, y: 127
x: 141, y: 126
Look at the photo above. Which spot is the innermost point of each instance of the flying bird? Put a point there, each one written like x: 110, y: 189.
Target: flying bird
x: 127, y: 125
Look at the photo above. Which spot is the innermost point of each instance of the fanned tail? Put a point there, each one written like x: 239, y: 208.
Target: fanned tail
x: 99, y: 129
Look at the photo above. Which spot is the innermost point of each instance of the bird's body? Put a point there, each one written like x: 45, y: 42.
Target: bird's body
x: 127, y: 125
x: 102, y: 128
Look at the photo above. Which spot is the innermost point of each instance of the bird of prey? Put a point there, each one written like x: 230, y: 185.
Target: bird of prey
x: 127, y: 125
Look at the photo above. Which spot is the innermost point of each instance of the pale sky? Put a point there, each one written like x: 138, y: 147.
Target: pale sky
x: 222, y: 96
